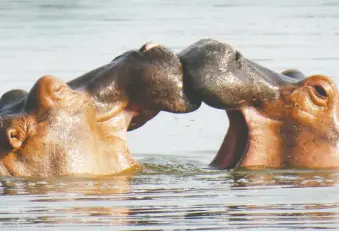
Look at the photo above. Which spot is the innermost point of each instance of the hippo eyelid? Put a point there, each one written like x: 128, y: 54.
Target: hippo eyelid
x: 320, y: 91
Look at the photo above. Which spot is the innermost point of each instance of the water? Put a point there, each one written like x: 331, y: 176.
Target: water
x: 175, y: 191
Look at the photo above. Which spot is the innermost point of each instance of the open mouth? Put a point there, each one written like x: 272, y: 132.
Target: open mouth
x: 235, y: 144
x: 223, y: 78
x: 114, y: 124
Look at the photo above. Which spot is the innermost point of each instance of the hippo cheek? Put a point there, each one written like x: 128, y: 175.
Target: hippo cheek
x: 57, y: 147
x: 311, y: 129
x: 62, y: 143
x: 52, y: 134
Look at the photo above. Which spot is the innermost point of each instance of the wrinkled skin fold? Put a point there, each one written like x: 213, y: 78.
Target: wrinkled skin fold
x: 276, y: 120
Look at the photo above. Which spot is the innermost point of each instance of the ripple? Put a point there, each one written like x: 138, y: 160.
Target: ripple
x: 175, y: 190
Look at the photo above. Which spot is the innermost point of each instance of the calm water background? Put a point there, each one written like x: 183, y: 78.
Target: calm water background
x: 67, y: 38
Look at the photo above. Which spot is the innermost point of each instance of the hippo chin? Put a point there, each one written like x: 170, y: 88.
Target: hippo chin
x: 276, y: 120
x: 80, y: 127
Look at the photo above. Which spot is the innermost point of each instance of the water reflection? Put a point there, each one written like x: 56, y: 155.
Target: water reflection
x: 176, y: 192
x: 80, y: 185
x: 240, y: 199
x: 64, y: 200
x: 289, y: 210
x: 295, y: 216
x: 286, y: 178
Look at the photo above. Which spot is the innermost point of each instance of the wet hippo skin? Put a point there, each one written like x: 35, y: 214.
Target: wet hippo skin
x: 275, y: 120
x: 12, y: 97
x: 56, y: 133
x: 148, y: 80
x: 80, y: 127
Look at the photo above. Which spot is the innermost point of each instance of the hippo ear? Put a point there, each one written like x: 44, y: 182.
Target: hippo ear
x: 11, y: 97
x: 16, y: 137
x: 294, y: 73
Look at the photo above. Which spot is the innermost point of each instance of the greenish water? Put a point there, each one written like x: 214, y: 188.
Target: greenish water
x: 176, y: 191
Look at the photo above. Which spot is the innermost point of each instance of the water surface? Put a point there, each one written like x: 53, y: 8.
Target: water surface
x: 176, y: 191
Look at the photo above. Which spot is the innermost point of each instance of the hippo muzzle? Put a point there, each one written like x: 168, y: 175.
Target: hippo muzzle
x: 224, y: 79
x: 275, y: 120
x: 147, y: 80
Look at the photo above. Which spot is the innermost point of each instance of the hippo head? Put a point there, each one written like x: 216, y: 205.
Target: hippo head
x: 56, y: 133
x: 144, y: 81
x: 276, y: 120
x: 80, y: 127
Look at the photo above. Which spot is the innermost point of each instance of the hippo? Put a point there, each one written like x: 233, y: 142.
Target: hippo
x: 294, y: 73
x: 80, y: 127
x: 275, y: 120
x: 12, y: 97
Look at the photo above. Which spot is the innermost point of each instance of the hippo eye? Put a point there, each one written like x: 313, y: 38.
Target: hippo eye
x: 320, y: 91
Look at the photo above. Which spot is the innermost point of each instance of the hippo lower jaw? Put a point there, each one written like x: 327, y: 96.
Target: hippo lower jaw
x: 252, y: 141
x: 235, y: 143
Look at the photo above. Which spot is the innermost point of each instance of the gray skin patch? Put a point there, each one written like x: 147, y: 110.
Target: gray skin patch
x: 155, y: 79
x: 224, y: 79
x: 149, y: 81
x: 11, y: 97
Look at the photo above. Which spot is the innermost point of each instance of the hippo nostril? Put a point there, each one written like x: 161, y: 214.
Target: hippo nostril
x: 320, y: 91
x: 237, y: 56
x: 148, y: 46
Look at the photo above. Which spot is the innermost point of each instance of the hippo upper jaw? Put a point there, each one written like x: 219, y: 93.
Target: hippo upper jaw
x: 147, y: 81
x: 223, y: 78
